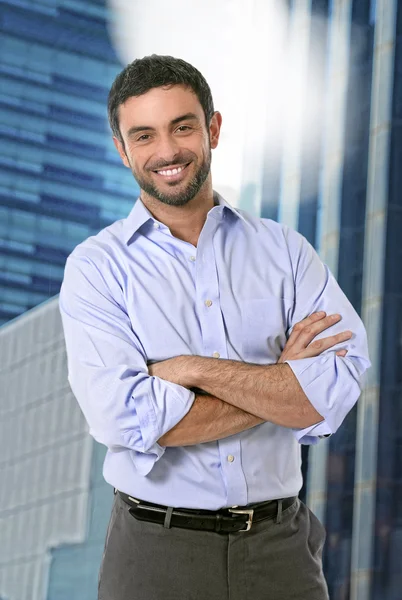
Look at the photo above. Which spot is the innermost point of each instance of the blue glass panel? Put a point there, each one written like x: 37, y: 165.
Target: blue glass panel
x: 320, y: 7
x: 56, y: 33
x: 9, y: 312
x: 65, y: 207
x: 13, y: 294
x: 79, y: 19
x: 72, y: 176
x: 77, y: 118
x: 24, y: 73
x: 373, y: 11
x: 76, y: 147
x: 15, y: 278
x: 11, y: 246
x: 46, y: 287
x: 361, y: 12
x: 50, y: 254
x: 79, y: 88
x: 30, y: 108
x: 33, y: 6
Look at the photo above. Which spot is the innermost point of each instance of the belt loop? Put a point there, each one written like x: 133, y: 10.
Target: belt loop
x: 218, y: 523
x: 114, y: 491
x: 168, y: 517
x: 279, y: 513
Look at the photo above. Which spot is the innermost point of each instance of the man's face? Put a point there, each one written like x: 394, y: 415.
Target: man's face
x: 167, y: 145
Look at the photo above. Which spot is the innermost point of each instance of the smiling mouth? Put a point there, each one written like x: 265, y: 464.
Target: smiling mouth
x: 173, y: 172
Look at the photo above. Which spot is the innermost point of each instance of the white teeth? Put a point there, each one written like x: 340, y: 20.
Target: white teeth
x: 171, y: 171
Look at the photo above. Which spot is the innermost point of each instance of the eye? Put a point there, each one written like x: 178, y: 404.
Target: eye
x: 183, y: 127
x: 144, y: 137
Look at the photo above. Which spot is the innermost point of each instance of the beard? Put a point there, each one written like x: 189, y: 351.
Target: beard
x: 185, y: 192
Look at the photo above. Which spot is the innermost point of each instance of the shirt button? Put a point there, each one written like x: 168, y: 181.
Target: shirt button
x: 208, y: 303
x: 230, y: 458
x: 192, y: 258
x: 156, y: 225
x: 216, y: 355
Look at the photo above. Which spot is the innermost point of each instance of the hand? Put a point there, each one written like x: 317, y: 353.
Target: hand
x: 299, y: 346
x: 173, y: 369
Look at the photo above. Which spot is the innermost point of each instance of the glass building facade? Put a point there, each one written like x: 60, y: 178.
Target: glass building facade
x: 349, y: 209
x: 61, y: 178
x: 54, y: 503
x: 348, y: 206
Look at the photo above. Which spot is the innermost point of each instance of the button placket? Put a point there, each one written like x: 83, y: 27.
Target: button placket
x: 233, y: 474
x: 208, y: 297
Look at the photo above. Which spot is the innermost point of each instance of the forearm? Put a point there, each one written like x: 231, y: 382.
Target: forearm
x: 209, y: 419
x: 271, y: 392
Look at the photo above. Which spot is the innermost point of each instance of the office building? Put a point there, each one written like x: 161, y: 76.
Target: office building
x: 347, y: 203
x: 61, y: 178
x: 54, y: 503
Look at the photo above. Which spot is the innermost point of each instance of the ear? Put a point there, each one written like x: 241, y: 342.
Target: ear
x: 121, y: 151
x: 215, y: 129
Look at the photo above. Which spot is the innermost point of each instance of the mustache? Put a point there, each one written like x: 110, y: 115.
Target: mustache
x: 173, y: 163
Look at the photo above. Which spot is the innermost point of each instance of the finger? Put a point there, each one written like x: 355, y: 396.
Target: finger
x: 299, y: 326
x: 308, y: 333
x: 342, y: 353
x: 319, y: 346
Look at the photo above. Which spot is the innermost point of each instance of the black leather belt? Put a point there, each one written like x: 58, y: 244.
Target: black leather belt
x: 226, y: 520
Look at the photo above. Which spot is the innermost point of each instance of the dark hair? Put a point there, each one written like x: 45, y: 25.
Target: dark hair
x: 153, y: 71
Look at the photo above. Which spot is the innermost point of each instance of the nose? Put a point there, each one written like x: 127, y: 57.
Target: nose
x: 167, y: 149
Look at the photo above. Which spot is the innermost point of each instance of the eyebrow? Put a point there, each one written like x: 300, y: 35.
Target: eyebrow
x: 137, y: 128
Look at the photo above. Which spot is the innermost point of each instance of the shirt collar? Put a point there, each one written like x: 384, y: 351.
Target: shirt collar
x: 221, y: 202
x: 136, y: 218
x: 139, y: 215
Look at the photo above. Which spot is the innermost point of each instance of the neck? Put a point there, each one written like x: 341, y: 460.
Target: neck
x: 185, y: 222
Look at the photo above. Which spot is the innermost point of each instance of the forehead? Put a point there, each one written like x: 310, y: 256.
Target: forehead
x: 158, y: 107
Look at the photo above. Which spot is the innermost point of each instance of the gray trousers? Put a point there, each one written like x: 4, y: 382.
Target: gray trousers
x: 272, y: 561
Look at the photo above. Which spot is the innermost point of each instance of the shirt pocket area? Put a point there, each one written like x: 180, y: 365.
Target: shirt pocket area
x: 264, y: 325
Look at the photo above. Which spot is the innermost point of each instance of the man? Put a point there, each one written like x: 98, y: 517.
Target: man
x: 196, y: 350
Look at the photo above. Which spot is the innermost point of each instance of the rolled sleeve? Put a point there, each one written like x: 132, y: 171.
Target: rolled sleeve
x: 332, y: 383
x: 126, y: 408
x: 154, y: 422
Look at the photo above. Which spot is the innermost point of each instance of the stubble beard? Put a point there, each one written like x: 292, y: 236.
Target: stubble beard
x: 182, y: 196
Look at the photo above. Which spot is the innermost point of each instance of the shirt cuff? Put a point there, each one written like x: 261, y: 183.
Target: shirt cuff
x: 150, y: 430
x: 311, y: 375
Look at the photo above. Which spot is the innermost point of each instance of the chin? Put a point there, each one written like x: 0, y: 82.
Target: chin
x: 174, y: 201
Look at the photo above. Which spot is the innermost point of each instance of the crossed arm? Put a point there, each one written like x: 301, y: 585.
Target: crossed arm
x: 209, y: 419
x: 241, y: 395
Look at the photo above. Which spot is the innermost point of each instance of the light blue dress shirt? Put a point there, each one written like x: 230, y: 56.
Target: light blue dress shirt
x: 135, y: 294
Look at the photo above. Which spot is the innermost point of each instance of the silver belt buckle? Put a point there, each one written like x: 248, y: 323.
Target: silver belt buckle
x: 244, y: 511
